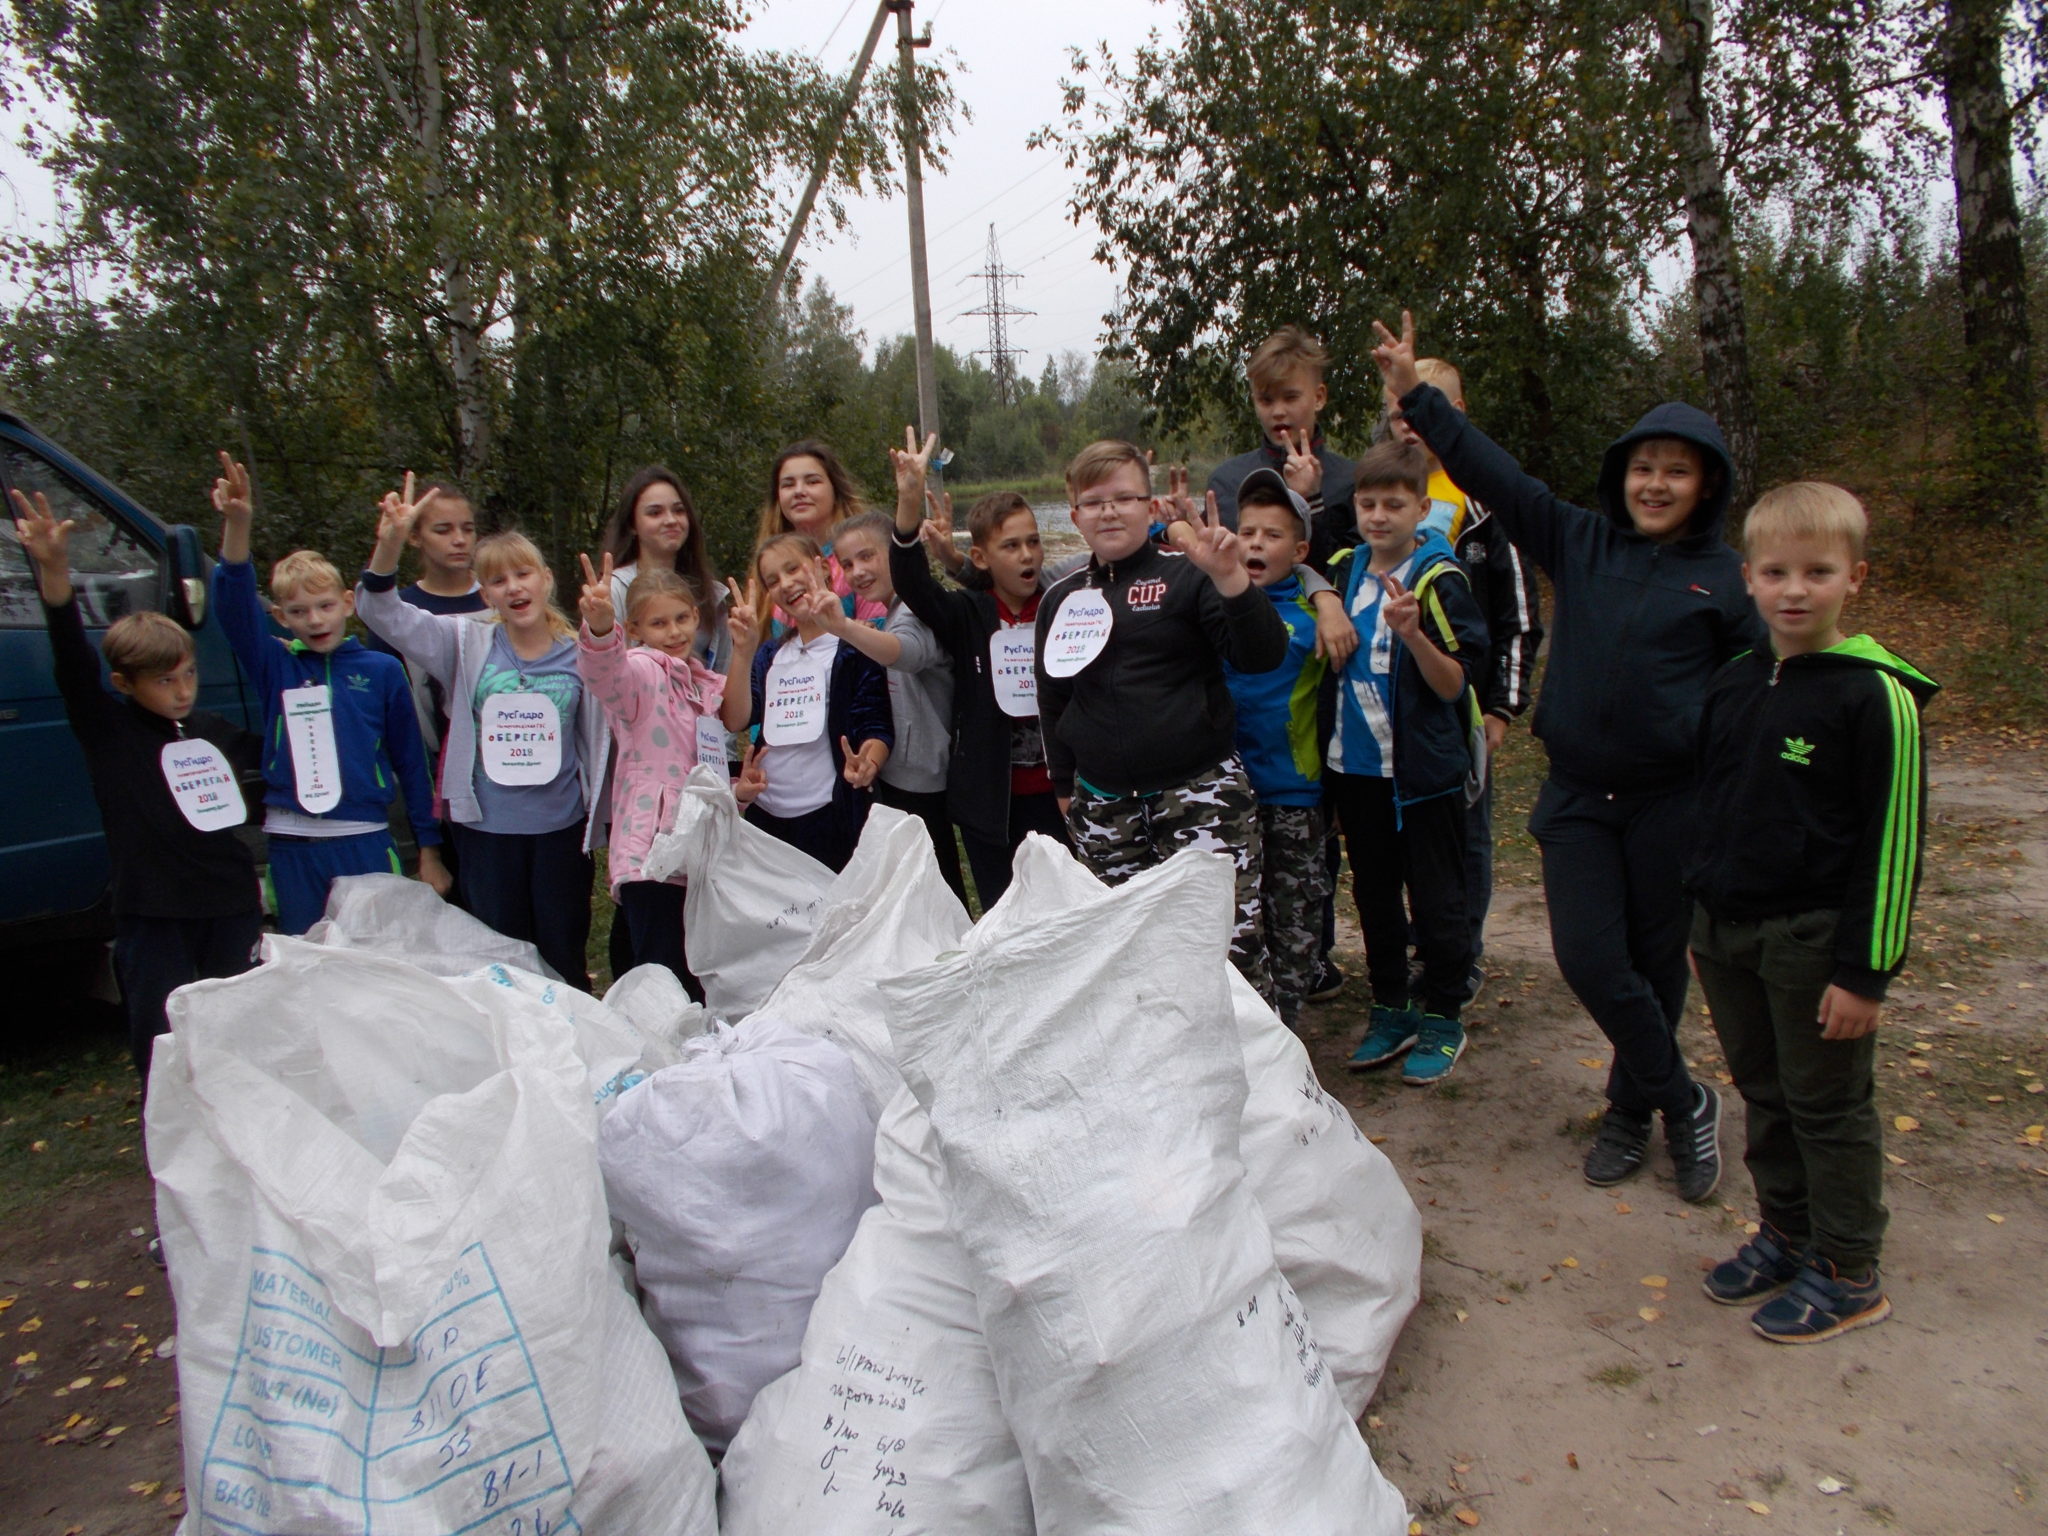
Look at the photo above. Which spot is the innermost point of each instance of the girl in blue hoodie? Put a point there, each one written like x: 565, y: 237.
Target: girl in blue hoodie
x: 1649, y: 604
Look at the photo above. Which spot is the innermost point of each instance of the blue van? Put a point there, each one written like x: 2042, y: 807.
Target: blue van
x: 53, y: 859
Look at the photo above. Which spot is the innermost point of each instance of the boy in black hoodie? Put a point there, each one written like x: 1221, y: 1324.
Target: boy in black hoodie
x: 1811, y: 821
x: 183, y: 888
x: 1649, y: 604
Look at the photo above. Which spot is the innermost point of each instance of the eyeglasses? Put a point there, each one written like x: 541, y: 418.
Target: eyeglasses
x: 1120, y: 503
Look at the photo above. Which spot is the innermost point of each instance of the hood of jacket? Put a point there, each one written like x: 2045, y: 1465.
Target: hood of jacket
x: 1862, y: 651
x: 1688, y: 424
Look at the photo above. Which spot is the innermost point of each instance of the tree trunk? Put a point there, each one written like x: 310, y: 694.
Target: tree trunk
x: 1685, y: 41
x: 2000, y: 439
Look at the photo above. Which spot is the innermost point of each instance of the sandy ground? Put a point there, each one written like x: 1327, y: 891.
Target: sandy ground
x: 1564, y: 1374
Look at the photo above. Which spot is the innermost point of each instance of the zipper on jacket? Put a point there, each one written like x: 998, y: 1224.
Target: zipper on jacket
x: 1777, y: 666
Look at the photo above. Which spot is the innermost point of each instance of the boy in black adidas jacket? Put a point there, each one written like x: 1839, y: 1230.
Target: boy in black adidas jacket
x: 1649, y: 604
x: 1811, y: 821
x: 183, y: 888
x: 1138, y: 720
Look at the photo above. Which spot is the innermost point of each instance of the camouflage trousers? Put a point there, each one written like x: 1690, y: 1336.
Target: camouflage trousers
x: 1293, y: 885
x: 1117, y: 836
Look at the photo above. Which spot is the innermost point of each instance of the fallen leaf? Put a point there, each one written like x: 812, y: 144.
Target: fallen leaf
x: 1648, y: 1314
x: 1895, y: 1160
x: 1831, y: 1485
x: 1414, y: 1528
x: 1728, y: 1491
x: 1852, y: 1430
x: 1571, y: 1459
x: 147, y: 1490
x: 1461, y: 1315
x: 1374, y: 1421
x: 1905, y: 1123
x: 112, y: 1382
x: 1994, y: 1218
x: 2037, y: 1087
x: 1757, y: 1507
x: 6, y: 1302
x: 1656, y: 1282
x: 81, y: 1384
x: 27, y: 1359
x: 118, y: 1429
x: 134, y: 1291
x: 1592, y: 1061
x: 1466, y: 1516
x: 1568, y: 1262
x: 30, y: 1326
x: 1623, y: 1208
x: 41, y: 1146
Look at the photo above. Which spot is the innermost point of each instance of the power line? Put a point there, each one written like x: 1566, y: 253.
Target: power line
x: 850, y: 4
x: 999, y: 310
x: 895, y: 262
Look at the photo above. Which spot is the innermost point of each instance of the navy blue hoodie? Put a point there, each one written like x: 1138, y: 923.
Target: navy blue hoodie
x: 1640, y: 627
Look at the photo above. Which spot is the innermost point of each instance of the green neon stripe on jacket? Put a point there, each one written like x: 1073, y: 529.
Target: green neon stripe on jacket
x: 1899, y: 854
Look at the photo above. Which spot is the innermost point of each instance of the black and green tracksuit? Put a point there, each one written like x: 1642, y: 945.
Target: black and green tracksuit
x: 1811, y: 818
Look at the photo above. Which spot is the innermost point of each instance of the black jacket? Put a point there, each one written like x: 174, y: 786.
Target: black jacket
x: 1640, y: 627
x: 162, y: 865
x: 1504, y: 587
x: 978, y: 777
x: 1812, y: 778
x: 1153, y: 709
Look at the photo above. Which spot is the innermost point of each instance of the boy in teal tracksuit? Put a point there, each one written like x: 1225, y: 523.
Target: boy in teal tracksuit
x: 1277, y: 737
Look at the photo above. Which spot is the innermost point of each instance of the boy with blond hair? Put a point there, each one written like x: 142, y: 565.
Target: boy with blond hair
x: 182, y: 887
x: 1288, y: 394
x: 1811, y: 819
x: 1136, y: 714
x: 340, y: 735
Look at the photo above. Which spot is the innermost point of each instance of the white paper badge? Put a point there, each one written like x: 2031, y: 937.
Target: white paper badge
x: 1011, y: 653
x: 1078, y: 633
x: 795, y: 711
x: 520, y: 737
x: 203, y: 784
x: 316, y: 764
x: 711, y: 748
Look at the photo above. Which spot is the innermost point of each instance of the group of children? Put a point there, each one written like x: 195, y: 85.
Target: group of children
x: 1325, y: 649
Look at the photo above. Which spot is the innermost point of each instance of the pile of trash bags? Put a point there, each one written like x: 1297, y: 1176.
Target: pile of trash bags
x: 1039, y: 1224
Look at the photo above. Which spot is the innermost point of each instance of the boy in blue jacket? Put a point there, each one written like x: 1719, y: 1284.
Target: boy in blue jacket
x: 340, y: 735
x: 1648, y: 605
x: 1405, y: 759
x: 1278, y: 737
x: 1811, y: 821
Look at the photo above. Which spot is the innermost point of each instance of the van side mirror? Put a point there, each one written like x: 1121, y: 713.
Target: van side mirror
x: 185, y: 576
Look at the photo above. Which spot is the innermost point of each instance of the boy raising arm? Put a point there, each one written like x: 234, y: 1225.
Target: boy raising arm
x: 1812, y: 816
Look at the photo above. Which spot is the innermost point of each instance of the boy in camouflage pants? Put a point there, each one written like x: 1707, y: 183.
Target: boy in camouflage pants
x: 1279, y: 739
x: 1131, y: 697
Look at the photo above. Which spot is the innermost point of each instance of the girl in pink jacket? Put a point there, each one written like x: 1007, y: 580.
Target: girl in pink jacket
x: 663, y: 706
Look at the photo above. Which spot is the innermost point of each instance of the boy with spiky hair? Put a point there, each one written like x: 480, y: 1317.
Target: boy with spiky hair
x: 1811, y: 819
x: 1288, y: 393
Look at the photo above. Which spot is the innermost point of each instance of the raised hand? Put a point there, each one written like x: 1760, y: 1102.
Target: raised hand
x: 753, y: 777
x: 596, y: 600
x: 48, y: 543
x: 860, y: 769
x: 1303, y: 471
x: 231, y: 491
x: 1213, y: 548
x: 1403, y: 610
x: 741, y: 621
x: 1396, y: 355
x: 397, y: 513
x: 912, y: 464
x: 1179, y: 503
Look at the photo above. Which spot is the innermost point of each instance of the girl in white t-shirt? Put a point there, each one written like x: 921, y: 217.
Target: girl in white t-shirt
x: 821, y: 708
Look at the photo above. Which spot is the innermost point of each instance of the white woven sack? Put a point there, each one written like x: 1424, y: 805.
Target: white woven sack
x: 391, y: 915
x: 654, y: 1000
x: 891, y: 1425
x: 739, y: 1175
x: 752, y: 899
x: 380, y: 1203
x: 615, y: 1051
x: 1345, y: 1229
x: 1085, y: 1085
x: 889, y: 911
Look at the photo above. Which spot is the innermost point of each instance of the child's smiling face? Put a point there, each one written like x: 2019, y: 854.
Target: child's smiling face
x: 788, y: 575
x: 865, y: 559
x: 318, y: 618
x: 664, y: 623
x: 1663, y: 485
x: 519, y: 594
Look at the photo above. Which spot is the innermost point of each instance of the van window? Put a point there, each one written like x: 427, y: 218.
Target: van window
x: 114, y: 572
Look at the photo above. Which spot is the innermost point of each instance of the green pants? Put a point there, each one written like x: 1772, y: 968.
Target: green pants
x: 1815, y: 1146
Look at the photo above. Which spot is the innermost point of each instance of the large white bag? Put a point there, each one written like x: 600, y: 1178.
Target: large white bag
x: 891, y: 1426
x: 752, y: 899
x: 889, y: 911
x: 1345, y: 1230
x: 392, y: 915
x: 1085, y: 1085
x: 739, y: 1175
x: 380, y: 1203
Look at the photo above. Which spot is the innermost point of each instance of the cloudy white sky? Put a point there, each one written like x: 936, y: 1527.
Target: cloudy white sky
x: 1008, y: 60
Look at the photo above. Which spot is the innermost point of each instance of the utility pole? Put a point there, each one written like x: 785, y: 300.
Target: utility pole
x: 913, y: 186
x: 1001, y: 355
x: 826, y: 150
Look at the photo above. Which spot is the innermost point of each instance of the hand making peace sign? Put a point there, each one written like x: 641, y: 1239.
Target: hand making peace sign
x: 596, y: 600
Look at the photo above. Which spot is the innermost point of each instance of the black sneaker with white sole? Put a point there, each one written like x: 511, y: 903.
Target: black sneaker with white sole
x: 1618, y: 1149
x: 1328, y: 983
x: 1694, y: 1141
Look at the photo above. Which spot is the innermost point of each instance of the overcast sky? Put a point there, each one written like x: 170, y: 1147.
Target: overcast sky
x: 1009, y: 58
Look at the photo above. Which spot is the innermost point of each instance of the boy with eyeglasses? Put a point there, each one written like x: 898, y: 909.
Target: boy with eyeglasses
x: 1137, y: 716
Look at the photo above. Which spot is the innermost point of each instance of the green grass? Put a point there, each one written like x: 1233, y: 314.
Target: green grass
x: 1619, y: 1377
x: 70, y: 1116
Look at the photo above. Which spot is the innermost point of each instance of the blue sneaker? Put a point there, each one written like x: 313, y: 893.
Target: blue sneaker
x: 1437, y: 1049
x: 1821, y: 1303
x: 1761, y: 1268
x: 1391, y: 1032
